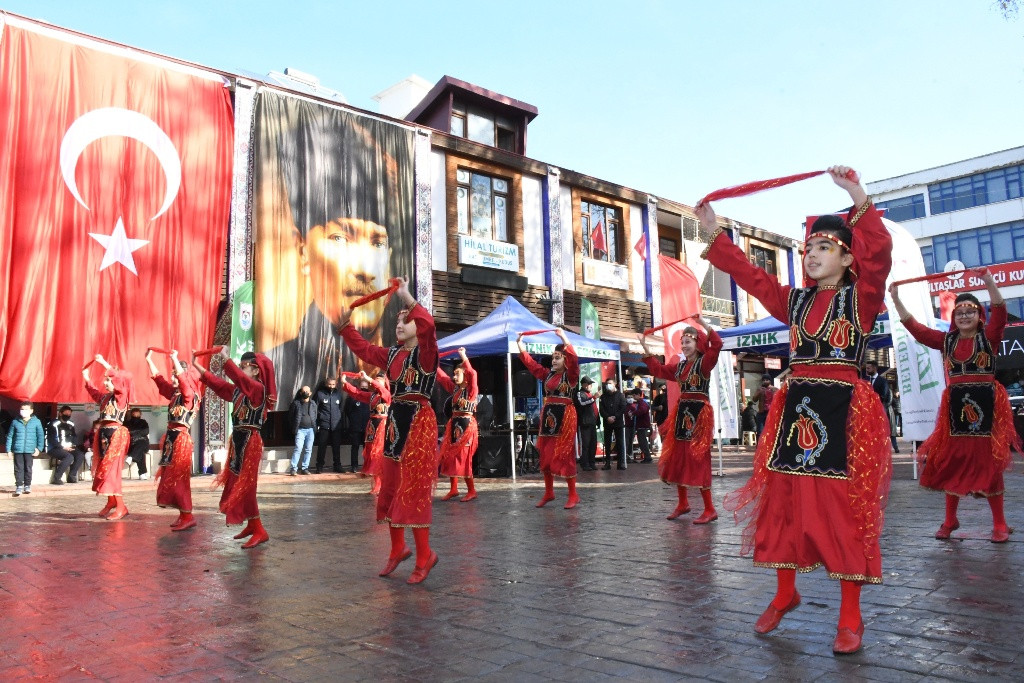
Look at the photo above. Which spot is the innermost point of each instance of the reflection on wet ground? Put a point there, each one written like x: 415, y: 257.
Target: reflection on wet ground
x: 609, y: 589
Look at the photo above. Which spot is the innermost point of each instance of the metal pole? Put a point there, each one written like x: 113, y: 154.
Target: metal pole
x: 511, y: 412
x: 721, y: 471
x: 913, y: 454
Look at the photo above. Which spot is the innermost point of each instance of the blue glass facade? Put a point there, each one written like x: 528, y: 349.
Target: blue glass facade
x: 904, y: 208
x: 975, y: 190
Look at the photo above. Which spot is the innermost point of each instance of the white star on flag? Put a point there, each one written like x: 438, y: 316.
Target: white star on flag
x: 119, y: 247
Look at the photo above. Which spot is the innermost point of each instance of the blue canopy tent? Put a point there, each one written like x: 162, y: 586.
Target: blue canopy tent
x: 497, y: 333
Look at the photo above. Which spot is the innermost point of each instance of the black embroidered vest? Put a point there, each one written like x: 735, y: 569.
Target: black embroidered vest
x: 690, y: 378
x: 982, y: 360
x: 838, y: 339
x: 413, y: 379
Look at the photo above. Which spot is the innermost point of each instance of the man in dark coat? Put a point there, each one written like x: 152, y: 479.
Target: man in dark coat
x: 586, y: 422
x: 357, y: 414
x: 62, y: 446
x: 613, y: 411
x: 881, y: 386
x: 330, y: 426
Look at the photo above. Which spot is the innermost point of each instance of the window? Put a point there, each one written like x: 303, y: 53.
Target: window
x: 691, y: 230
x: 904, y: 208
x: 480, y: 125
x: 998, y: 185
x: 764, y: 259
x: 668, y: 247
x: 601, y: 224
x: 481, y: 205
x: 980, y: 247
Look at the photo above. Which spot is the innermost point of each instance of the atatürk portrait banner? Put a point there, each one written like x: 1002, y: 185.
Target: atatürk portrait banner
x: 334, y: 218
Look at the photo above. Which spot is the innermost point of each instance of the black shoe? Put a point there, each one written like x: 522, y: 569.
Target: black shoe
x: 57, y: 482
x: 72, y: 481
x: 620, y: 467
x: 303, y: 471
x: 339, y: 470
x: 606, y: 467
x: 647, y: 461
x: 895, y: 450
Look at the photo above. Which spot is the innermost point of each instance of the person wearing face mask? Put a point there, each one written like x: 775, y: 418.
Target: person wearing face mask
x: 174, y: 473
x: 638, y: 423
x: 613, y: 411
x: 586, y: 415
x: 763, y: 397
x: 111, y: 439
x: 303, y: 415
x: 25, y: 441
x: 409, y: 465
x: 822, y: 467
x: 252, y: 391
x: 62, y: 441
x: 557, y: 439
x: 329, y: 423
x: 969, y: 450
x: 461, y: 435
x: 686, y: 444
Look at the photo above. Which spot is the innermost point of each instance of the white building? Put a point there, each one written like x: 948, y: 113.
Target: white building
x: 971, y: 211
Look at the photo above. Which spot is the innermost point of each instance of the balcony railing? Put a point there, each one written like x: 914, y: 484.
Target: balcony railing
x: 716, y: 306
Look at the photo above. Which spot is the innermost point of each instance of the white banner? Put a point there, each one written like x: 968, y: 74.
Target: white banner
x: 723, y: 398
x: 920, y: 373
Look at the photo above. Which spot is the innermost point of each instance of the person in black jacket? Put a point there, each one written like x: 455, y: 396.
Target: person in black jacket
x: 613, y: 410
x: 62, y: 446
x: 303, y: 420
x: 881, y: 386
x: 659, y: 403
x: 586, y: 421
x: 329, y: 424
x: 139, y: 446
x: 357, y: 414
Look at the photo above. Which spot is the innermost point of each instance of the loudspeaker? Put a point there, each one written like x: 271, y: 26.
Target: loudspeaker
x: 492, y: 456
x: 523, y: 384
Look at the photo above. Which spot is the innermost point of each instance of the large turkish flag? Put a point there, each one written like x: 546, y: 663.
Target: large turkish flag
x: 680, y: 296
x: 115, y: 188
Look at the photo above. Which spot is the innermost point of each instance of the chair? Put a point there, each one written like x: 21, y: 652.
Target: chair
x: 749, y: 438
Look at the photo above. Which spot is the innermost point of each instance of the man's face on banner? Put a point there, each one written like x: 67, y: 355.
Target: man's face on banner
x: 346, y: 259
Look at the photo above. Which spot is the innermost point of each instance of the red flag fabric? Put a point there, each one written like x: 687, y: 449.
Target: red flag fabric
x: 114, y: 208
x: 597, y: 238
x: 761, y: 185
x: 680, y: 297
x: 641, y: 247
x: 946, y: 301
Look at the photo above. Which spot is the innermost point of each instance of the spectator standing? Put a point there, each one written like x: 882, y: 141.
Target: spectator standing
x: 303, y: 419
x: 638, y: 424
x: 25, y: 441
x: 62, y: 446
x: 586, y: 421
x: 763, y: 397
x: 659, y: 404
x: 613, y: 411
x: 329, y: 425
x: 749, y: 418
x: 139, y: 445
x: 357, y: 415
x: 881, y: 386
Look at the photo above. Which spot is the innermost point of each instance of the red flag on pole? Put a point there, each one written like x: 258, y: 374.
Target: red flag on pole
x: 113, y: 211
x: 680, y: 297
x: 641, y: 247
x: 597, y: 238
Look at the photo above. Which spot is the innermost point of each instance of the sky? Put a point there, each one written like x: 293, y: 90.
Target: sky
x: 674, y: 98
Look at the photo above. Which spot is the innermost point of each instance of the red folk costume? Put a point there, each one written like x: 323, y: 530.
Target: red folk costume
x: 557, y: 439
x: 461, y: 435
x: 379, y: 399
x: 686, y: 443
x: 250, y: 399
x: 175, y: 470
x: 970, y: 448
x: 822, y: 468
x: 111, y: 440
x: 410, y: 454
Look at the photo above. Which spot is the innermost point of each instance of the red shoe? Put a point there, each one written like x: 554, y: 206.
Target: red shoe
x: 945, y: 530
x: 545, y: 500
x: 769, y: 621
x: 847, y: 642
x: 185, y: 524
x: 468, y: 497
x: 574, y: 499
x: 247, y: 531
x: 706, y: 516
x: 119, y: 512
x: 678, y: 511
x: 178, y: 520
x: 107, y: 509
x: 258, y: 536
x: 1001, y: 535
x: 419, y: 574
x: 451, y: 494
x: 393, y: 562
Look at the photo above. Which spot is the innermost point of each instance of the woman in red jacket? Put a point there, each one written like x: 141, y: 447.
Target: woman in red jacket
x: 557, y: 439
x: 969, y: 450
x: 376, y: 394
x: 822, y: 466
x: 461, y: 435
x: 111, y: 440
x: 686, y: 447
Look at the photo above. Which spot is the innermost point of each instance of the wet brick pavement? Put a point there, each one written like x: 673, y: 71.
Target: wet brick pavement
x: 610, y: 589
